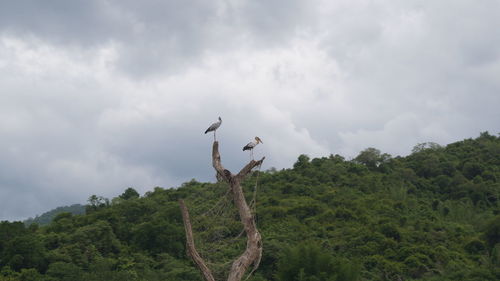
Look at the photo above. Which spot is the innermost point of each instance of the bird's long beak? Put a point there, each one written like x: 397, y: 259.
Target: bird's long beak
x: 259, y: 140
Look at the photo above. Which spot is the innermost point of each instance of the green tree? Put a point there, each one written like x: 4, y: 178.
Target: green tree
x: 432, y: 146
x: 492, y: 232
x: 96, y: 202
x: 129, y: 193
x: 25, y: 251
x: 8, y: 231
x: 372, y: 157
x: 307, y: 262
x: 302, y: 162
x: 63, y: 271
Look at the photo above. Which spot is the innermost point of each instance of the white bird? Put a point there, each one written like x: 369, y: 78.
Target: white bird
x: 250, y: 146
x: 214, y: 127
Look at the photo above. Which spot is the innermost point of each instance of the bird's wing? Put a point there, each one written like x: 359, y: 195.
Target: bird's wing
x: 250, y: 145
x: 212, y: 127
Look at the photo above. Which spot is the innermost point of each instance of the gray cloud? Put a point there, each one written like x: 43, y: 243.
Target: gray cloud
x: 97, y: 96
x: 63, y: 22
x: 155, y: 36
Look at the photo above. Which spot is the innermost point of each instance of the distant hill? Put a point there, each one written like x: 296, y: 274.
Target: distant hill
x: 47, y: 217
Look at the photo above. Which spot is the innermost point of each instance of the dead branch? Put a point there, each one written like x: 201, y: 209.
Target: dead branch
x: 216, y: 163
x: 191, y: 249
x: 253, y: 251
x: 248, y: 168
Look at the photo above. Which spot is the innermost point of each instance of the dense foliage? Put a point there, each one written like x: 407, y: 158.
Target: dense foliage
x: 433, y: 215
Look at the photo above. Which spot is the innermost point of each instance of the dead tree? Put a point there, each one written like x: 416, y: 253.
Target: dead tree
x: 253, y: 252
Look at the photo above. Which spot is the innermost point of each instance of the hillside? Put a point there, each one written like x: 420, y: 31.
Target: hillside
x: 47, y: 217
x: 433, y: 215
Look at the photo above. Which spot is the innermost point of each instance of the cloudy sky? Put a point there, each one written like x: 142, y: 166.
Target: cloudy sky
x: 100, y: 95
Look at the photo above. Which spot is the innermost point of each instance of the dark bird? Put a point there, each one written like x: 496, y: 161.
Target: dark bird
x: 250, y: 146
x: 214, y: 127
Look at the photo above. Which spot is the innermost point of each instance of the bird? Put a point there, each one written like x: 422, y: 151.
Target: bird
x: 250, y: 146
x: 214, y: 127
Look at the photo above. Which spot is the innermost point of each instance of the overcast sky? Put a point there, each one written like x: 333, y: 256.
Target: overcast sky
x: 100, y: 95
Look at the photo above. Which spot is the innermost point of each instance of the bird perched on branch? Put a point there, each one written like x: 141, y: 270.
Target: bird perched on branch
x: 214, y: 127
x: 250, y: 146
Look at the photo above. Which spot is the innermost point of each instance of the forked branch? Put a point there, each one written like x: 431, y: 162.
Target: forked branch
x: 253, y: 251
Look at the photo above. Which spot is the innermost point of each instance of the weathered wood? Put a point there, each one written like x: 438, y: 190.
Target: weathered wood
x: 253, y: 251
x: 248, y: 168
x: 216, y: 163
x: 190, y: 247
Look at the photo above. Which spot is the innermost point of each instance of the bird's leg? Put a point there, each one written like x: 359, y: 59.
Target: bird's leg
x: 214, y: 135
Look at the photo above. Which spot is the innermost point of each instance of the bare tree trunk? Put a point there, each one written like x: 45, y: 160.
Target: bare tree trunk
x: 191, y: 250
x: 253, y: 252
